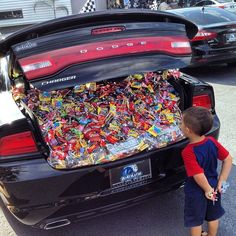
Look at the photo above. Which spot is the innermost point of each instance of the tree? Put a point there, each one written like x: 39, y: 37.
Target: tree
x: 52, y: 5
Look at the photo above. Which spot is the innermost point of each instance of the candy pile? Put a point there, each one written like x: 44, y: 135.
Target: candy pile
x: 95, y: 123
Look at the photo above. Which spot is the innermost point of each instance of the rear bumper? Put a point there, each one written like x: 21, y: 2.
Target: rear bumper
x: 103, y: 204
x: 203, y: 57
x: 36, y: 194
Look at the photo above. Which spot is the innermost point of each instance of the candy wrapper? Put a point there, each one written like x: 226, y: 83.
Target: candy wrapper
x: 96, y: 123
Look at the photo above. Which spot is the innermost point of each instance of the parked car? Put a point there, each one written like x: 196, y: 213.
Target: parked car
x: 74, y: 50
x: 215, y: 41
x: 228, y: 5
x: 1, y: 36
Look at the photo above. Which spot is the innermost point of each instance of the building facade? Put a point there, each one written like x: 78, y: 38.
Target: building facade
x: 15, y: 14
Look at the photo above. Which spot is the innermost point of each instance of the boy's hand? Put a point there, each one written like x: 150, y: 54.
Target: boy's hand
x: 211, y: 195
x: 222, y: 186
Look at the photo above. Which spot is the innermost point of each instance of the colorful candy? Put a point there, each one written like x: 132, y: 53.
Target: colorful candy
x: 94, y: 123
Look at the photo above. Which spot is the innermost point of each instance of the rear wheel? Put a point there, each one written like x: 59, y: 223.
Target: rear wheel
x: 11, y: 226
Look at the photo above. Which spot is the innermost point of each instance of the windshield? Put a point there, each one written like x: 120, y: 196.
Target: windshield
x: 224, y: 1
x: 207, y: 16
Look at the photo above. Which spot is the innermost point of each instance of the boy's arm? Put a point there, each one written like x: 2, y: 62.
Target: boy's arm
x: 202, y: 181
x: 194, y: 169
x: 226, y: 159
x: 225, y: 170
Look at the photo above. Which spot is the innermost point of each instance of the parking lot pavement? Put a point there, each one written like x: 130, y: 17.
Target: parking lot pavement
x: 162, y: 215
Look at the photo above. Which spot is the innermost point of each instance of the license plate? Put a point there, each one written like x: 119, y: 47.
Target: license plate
x: 230, y: 37
x: 129, y: 174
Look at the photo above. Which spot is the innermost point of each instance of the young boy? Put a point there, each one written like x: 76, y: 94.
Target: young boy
x: 203, y: 186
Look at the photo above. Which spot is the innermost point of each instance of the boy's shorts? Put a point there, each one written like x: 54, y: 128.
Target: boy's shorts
x: 199, y: 208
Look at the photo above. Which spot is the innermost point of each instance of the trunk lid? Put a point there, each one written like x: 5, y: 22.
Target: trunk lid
x: 60, y: 52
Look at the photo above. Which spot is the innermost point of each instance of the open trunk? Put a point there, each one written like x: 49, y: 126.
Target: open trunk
x: 96, y: 123
x: 92, y: 94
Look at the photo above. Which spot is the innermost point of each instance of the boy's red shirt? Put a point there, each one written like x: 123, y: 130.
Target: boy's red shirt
x: 190, y: 155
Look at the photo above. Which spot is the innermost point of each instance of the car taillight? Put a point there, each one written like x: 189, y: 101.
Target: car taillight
x: 204, y: 35
x: 48, y: 63
x: 105, y: 30
x: 221, y: 6
x: 16, y: 144
x: 202, y: 101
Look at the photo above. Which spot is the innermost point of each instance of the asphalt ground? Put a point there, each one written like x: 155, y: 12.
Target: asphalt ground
x: 162, y: 215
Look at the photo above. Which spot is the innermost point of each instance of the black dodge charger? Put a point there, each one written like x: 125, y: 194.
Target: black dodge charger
x: 45, y: 185
x: 215, y: 41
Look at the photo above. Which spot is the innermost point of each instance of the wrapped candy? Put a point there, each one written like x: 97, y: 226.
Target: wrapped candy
x: 98, y: 122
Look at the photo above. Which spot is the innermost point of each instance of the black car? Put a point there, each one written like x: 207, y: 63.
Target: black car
x: 215, y: 41
x: 101, y: 49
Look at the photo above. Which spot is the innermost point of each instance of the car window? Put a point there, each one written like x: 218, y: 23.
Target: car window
x: 209, y: 16
x: 224, y: 1
x: 209, y: 3
x: 201, y: 4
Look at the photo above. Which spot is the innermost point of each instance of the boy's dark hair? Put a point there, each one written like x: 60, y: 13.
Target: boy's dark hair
x: 198, y: 119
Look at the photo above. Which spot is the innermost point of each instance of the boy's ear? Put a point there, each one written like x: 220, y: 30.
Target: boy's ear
x: 188, y: 130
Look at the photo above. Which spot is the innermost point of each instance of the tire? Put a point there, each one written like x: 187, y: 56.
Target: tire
x: 10, y: 226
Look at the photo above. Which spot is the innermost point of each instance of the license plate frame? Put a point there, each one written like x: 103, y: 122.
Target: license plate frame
x: 130, y: 174
x: 230, y: 37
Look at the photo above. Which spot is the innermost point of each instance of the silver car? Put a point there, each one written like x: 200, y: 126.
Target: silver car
x: 228, y: 5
